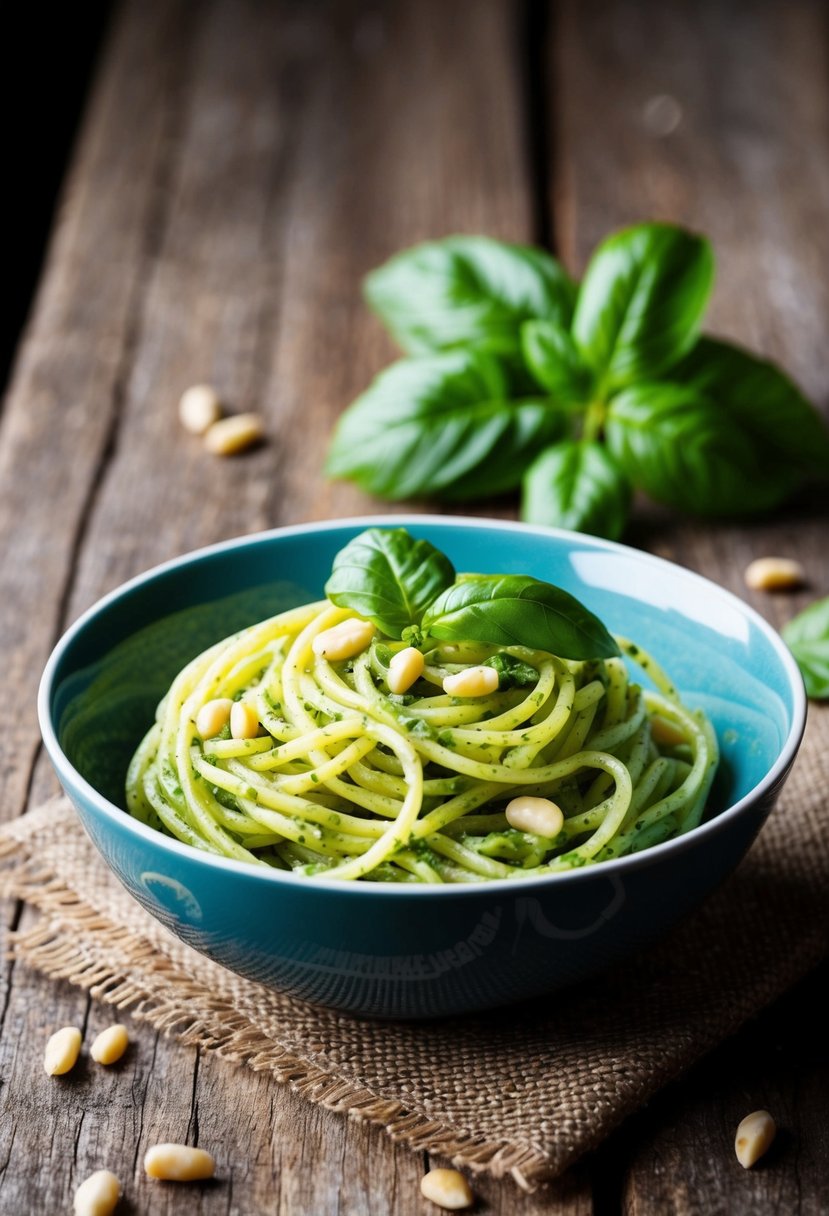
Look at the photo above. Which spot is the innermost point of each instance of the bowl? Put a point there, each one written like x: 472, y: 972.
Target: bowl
x: 417, y: 951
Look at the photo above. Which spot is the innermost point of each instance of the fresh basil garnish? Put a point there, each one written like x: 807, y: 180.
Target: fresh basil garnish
x: 641, y: 302
x: 807, y: 636
x: 390, y: 578
x: 551, y: 354
x: 768, y: 408
x: 582, y: 403
x: 578, y: 485
x: 682, y: 450
x: 408, y: 588
x: 441, y: 425
x: 467, y: 289
x: 516, y: 610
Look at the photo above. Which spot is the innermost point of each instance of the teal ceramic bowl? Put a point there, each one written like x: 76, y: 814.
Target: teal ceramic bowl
x: 399, y: 951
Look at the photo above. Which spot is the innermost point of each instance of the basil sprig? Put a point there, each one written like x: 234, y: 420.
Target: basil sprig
x: 409, y: 589
x: 516, y: 377
x: 467, y: 290
x: 388, y: 577
x: 807, y: 636
x: 517, y: 610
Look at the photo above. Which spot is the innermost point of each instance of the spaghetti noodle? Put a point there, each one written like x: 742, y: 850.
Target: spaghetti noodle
x: 348, y: 781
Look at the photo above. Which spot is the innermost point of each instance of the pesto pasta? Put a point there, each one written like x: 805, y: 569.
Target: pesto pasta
x: 324, y: 771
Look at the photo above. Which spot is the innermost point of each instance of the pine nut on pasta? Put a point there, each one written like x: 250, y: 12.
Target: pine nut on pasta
x: 472, y: 682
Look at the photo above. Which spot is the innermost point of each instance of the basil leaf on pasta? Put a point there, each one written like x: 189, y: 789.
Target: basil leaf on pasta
x: 386, y: 575
x: 517, y: 610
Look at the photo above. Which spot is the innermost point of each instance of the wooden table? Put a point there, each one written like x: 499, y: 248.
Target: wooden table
x: 240, y: 167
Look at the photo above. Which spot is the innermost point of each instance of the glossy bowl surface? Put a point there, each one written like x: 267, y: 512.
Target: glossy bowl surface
x: 399, y: 951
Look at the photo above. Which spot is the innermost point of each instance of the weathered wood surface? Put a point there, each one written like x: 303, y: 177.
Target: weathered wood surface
x: 241, y: 166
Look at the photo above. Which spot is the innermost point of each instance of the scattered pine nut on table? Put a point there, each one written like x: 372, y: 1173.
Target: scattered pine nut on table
x: 98, y: 1195
x: 448, y: 1189
x: 62, y: 1051
x: 774, y: 574
x: 199, y: 408
x: 234, y: 434
x: 110, y: 1044
x: 754, y: 1137
x: 178, y: 1163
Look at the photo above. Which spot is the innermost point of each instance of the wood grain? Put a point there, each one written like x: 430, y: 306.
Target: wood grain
x: 748, y: 164
x: 241, y: 166
x: 268, y: 181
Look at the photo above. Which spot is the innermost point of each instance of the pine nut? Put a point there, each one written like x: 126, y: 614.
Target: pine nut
x: 472, y: 682
x: 343, y: 641
x: 664, y: 732
x: 244, y: 721
x: 538, y: 815
x: 774, y: 574
x: 231, y: 435
x: 448, y: 1189
x: 98, y: 1195
x: 405, y: 667
x: 754, y: 1137
x: 213, y: 717
x: 178, y: 1163
x: 62, y: 1051
x: 199, y: 408
x: 110, y: 1044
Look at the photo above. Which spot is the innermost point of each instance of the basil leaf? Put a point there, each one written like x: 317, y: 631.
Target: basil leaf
x: 441, y: 425
x: 807, y: 636
x: 767, y: 405
x: 675, y: 444
x: 516, y: 610
x: 641, y: 302
x: 579, y: 486
x: 467, y: 289
x: 386, y: 575
x: 556, y: 362
x: 512, y: 672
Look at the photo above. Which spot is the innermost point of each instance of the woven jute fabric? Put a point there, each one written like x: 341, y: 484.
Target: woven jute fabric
x: 523, y: 1091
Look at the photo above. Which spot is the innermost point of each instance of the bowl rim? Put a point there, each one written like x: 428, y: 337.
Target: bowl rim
x: 71, y: 779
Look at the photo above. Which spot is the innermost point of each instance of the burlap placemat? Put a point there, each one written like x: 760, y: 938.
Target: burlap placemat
x: 524, y: 1091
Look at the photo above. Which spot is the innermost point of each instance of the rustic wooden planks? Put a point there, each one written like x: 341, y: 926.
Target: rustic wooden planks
x: 278, y: 159
x: 748, y: 164
x: 241, y: 166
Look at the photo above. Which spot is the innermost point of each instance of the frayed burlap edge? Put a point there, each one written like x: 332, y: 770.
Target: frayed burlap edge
x: 212, y: 1023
